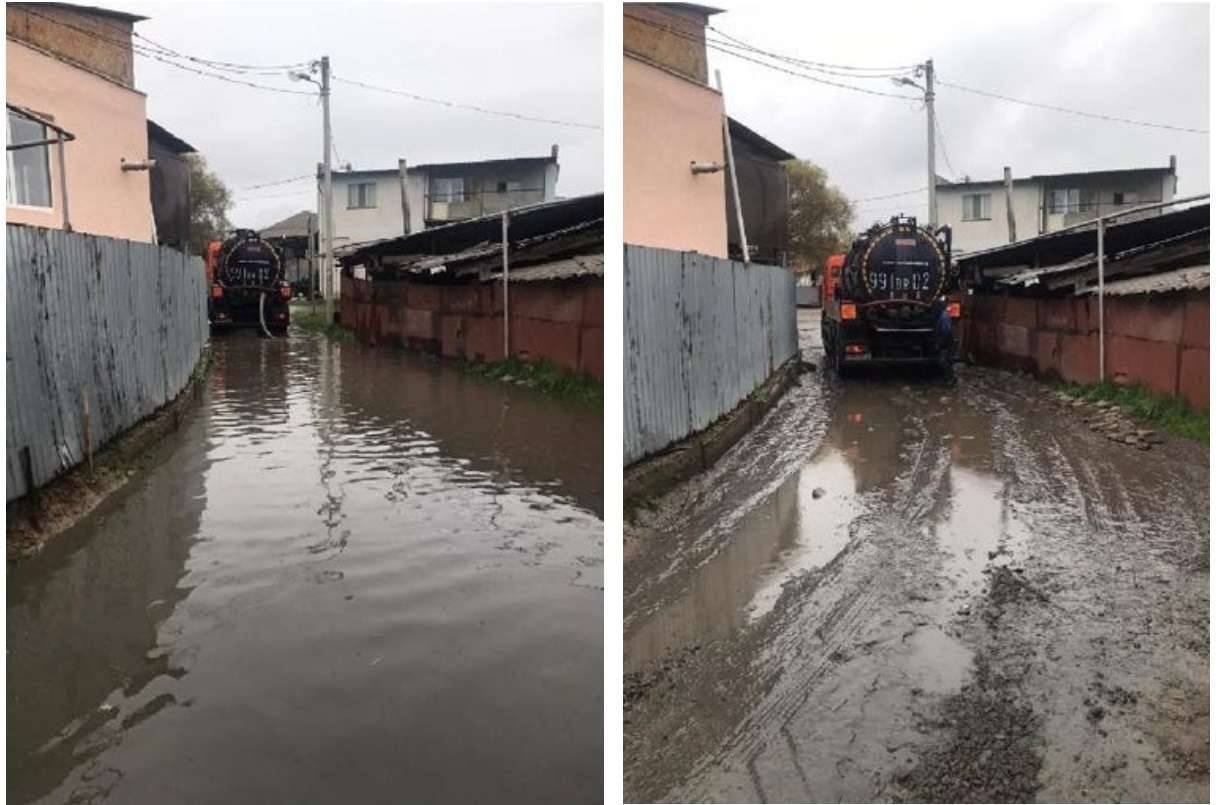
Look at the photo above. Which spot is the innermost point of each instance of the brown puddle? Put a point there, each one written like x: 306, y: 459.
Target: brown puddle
x: 807, y: 522
x: 356, y: 575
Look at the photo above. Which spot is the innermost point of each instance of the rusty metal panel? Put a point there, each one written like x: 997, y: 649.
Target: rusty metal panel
x: 700, y: 334
x: 112, y: 324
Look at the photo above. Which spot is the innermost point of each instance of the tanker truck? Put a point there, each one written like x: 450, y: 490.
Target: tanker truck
x: 892, y: 299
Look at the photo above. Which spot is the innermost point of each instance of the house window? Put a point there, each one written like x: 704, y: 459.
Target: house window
x: 508, y: 187
x: 449, y: 190
x: 977, y: 207
x: 362, y: 196
x: 1069, y: 200
x: 29, y: 169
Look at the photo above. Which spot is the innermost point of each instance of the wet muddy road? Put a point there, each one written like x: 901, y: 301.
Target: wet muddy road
x: 895, y: 590
x: 353, y: 576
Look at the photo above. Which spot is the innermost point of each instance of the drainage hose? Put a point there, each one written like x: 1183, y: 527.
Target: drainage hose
x: 262, y: 321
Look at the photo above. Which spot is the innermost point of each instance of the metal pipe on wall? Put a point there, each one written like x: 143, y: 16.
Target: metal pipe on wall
x: 504, y: 271
x: 1102, y: 340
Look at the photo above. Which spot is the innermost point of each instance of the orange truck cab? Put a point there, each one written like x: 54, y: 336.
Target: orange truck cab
x: 830, y: 278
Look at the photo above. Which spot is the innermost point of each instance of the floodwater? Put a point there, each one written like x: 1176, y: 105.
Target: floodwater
x: 354, y: 575
x: 896, y: 590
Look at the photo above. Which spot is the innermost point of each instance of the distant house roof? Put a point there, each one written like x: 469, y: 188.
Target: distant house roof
x: 490, y: 164
x: 170, y: 141
x: 739, y: 131
x: 297, y: 225
x: 1044, y: 177
x: 98, y: 10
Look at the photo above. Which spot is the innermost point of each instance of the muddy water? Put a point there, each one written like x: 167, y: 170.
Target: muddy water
x: 917, y: 551
x: 354, y: 575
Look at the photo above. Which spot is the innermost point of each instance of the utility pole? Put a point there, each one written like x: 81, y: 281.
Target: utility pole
x: 1009, y: 204
x: 329, y: 225
x: 932, y: 144
x: 403, y: 197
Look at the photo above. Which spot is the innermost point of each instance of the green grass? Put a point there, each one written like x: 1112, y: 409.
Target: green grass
x: 1168, y: 412
x: 312, y: 317
x: 543, y: 376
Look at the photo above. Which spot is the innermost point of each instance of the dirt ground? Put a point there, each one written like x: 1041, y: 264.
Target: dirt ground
x: 899, y: 590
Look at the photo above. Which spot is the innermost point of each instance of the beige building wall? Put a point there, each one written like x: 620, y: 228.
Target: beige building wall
x: 110, y: 124
x: 669, y: 122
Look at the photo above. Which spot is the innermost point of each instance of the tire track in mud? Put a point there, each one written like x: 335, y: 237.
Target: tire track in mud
x: 1054, y: 657
x: 818, y: 699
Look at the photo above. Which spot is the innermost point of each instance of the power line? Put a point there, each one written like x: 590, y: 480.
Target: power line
x: 470, y: 107
x: 889, y: 195
x: 277, y: 182
x: 266, y: 69
x: 1071, y: 111
x: 835, y: 69
x: 945, y: 154
x: 717, y: 46
x: 150, y: 54
x: 846, y: 70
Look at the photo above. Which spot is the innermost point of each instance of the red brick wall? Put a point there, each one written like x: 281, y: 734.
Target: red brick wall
x: 560, y: 322
x: 1159, y: 341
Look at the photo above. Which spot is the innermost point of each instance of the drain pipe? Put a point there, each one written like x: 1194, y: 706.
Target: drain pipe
x: 1102, y: 339
x: 504, y: 271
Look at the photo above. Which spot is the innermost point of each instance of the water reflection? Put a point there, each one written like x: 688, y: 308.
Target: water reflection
x: 884, y: 441
x: 370, y: 577
x: 83, y: 624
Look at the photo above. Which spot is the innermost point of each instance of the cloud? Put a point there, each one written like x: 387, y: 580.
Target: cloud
x: 1147, y: 62
x: 536, y: 59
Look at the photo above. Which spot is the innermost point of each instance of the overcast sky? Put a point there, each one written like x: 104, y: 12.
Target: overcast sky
x: 1146, y: 62
x: 533, y: 59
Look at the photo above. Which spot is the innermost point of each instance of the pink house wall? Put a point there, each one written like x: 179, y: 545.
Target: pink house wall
x: 668, y: 122
x: 109, y: 123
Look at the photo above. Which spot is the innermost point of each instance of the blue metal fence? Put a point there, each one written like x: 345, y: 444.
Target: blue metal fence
x: 113, y: 326
x: 699, y: 335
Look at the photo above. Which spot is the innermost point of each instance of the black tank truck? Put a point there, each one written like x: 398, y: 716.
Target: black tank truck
x: 894, y: 300
x: 246, y: 275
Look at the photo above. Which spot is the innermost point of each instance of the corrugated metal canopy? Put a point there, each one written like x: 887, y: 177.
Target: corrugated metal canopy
x: 1056, y: 248
x: 525, y: 222
x: 1192, y: 278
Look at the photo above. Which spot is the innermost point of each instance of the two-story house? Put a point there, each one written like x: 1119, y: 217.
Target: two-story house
x: 70, y: 73
x: 672, y: 119
x: 1046, y: 203
x: 374, y: 204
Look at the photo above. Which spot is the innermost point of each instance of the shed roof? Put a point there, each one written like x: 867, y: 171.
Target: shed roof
x: 297, y: 225
x: 169, y: 140
x: 738, y: 131
x: 529, y: 222
x: 1056, y: 247
x: 1190, y: 278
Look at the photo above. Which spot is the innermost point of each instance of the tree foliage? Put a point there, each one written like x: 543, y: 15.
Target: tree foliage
x: 820, y: 216
x: 210, y: 203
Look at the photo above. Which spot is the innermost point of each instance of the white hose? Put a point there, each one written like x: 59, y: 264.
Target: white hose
x: 262, y: 322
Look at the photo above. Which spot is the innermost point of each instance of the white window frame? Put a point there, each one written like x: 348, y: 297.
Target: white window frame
x: 11, y: 187
x: 449, y: 190
x: 980, y: 204
x: 1068, y: 200
x: 365, y: 200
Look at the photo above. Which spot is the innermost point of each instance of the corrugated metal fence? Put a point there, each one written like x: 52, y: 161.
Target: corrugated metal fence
x: 112, y: 324
x: 699, y: 335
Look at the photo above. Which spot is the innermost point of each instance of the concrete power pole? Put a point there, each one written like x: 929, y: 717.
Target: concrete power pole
x: 328, y: 271
x: 932, y: 144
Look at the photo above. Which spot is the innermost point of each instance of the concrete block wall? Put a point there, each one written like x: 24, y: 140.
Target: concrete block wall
x: 1157, y: 340
x: 559, y: 321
